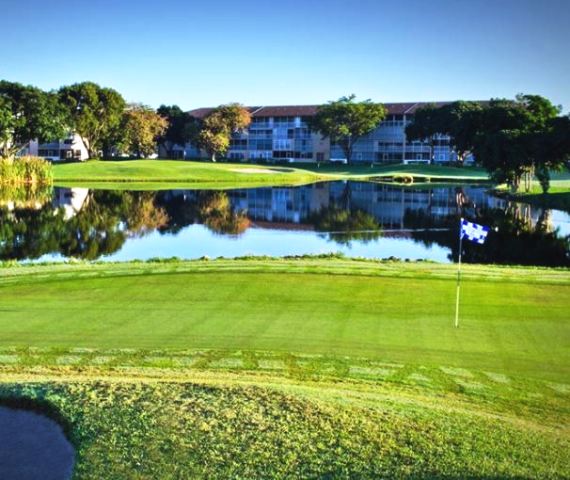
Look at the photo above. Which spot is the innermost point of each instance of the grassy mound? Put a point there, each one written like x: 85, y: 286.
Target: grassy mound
x: 395, y: 171
x: 134, y: 429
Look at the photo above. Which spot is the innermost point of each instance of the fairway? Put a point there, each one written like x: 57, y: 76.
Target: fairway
x: 175, y: 173
x: 293, y: 368
x: 516, y: 327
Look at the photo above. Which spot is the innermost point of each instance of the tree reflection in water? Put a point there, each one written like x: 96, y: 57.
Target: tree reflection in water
x: 513, y: 238
x: 217, y: 214
x: 343, y: 225
x: 93, y: 224
x: 101, y: 226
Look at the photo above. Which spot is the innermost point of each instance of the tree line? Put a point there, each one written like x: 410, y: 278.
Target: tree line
x: 100, y: 116
x: 513, y: 139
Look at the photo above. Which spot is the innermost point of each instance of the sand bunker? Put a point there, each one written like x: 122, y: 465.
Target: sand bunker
x: 255, y: 170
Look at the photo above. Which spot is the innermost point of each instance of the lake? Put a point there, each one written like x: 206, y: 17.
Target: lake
x: 359, y: 219
x: 33, y: 447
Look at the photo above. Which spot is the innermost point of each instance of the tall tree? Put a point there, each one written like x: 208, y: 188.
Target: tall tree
x: 551, y: 149
x: 510, y: 137
x: 142, y: 126
x: 27, y: 113
x: 457, y: 120
x: 218, y: 127
x: 181, y: 128
x: 94, y: 113
x: 6, y: 124
x: 346, y: 121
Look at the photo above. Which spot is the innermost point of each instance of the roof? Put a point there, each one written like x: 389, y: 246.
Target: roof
x: 310, y: 110
x: 259, y: 112
x: 409, y: 108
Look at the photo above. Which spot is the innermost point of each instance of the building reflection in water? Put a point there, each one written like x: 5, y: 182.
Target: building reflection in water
x: 91, y: 224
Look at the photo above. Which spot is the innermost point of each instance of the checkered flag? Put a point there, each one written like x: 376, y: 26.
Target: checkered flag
x: 474, y: 232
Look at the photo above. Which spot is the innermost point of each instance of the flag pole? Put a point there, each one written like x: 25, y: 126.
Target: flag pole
x: 458, y: 274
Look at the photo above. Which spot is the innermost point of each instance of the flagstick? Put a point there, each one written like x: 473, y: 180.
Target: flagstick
x: 458, y: 276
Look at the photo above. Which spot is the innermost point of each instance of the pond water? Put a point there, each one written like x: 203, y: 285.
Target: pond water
x: 33, y: 447
x: 355, y: 218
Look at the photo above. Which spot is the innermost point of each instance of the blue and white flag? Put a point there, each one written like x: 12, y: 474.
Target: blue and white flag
x: 474, y: 232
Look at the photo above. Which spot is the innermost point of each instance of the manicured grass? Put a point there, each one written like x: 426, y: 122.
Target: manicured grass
x: 344, y: 308
x: 293, y: 368
x: 227, y: 175
x: 196, y: 174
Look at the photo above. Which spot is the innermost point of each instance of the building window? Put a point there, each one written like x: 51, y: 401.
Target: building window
x: 238, y: 144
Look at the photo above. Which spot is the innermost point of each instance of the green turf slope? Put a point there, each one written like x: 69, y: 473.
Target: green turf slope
x: 509, y: 321
x: 306, y: 368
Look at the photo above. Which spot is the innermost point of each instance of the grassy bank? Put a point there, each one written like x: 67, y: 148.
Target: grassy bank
x: 558, y: 196
x: 420, y: 173
x: 294, y: 368
x: 163, y: 173
x: 155, y: 424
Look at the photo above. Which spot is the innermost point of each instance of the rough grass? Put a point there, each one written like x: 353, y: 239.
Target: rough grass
x: 130, y: 423
x: 207, y: 175
x: 23, y: 195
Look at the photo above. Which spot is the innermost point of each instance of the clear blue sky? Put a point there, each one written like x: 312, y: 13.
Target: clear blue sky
x: 262, y: 52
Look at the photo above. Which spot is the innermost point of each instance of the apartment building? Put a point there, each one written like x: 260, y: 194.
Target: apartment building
x: 282, y: 133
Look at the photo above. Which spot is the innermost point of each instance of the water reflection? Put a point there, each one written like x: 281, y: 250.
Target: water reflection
x: 364, y: 219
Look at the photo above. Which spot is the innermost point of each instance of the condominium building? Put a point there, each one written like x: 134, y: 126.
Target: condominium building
x: 282, y: 133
